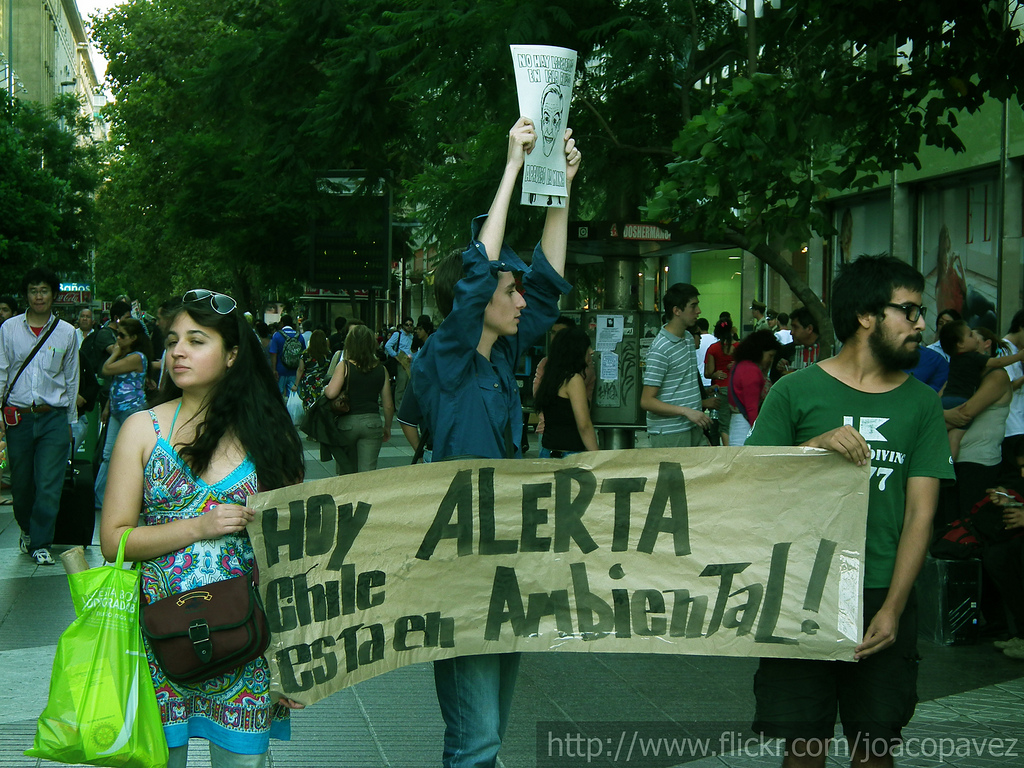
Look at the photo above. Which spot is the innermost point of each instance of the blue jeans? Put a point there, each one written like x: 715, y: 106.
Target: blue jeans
x: 38, y: 449
x: 113, y: 428
x: 284, y: 384
x: 475, y: 695
x: 220, y: 758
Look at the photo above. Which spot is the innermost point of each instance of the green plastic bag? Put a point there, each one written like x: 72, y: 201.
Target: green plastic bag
x: 102, y: 709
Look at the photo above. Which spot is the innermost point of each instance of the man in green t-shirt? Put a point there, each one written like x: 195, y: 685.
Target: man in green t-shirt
x: 861, y: 405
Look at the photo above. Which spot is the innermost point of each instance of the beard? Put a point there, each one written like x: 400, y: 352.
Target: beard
x: 892, y: 356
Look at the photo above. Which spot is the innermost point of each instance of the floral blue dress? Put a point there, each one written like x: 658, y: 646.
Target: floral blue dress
x: 128, y: 391
x: 232, y: 710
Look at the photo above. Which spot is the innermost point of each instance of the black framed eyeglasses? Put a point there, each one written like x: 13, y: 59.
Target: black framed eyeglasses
x: 912, y: 311
x: 221, y: 303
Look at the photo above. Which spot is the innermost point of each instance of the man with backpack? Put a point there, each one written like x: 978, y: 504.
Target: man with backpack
x: 286, y: 348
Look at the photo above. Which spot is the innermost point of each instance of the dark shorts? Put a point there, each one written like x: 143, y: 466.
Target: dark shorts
x: 874, y: 698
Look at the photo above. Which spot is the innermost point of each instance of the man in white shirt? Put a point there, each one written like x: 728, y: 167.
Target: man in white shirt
x: 399, y: 346
x: 39, y: 407
x: 84, y: 325
x: 784, y: 334
x: 706, y: 340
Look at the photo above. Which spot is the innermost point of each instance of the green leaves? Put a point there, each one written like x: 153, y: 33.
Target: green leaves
x: 49, y: 170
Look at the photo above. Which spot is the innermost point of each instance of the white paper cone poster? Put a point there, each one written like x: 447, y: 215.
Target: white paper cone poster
x: 544, y: 80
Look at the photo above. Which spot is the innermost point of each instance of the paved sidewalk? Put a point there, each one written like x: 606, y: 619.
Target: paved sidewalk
x: 393, y: 720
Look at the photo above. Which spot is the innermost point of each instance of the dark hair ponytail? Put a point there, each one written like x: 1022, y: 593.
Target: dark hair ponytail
x: 246, y: 402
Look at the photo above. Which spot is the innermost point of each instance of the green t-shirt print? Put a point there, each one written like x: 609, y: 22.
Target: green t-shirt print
x: 903, y: 427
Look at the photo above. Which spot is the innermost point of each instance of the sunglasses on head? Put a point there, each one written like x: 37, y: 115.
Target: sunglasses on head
x: 221, y: 303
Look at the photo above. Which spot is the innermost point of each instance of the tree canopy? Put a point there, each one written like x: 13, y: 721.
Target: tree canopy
x: 49, y: 171
x: 837, y: 94
x: 226, y: 115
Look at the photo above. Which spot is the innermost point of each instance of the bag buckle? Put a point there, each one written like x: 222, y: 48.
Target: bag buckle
x: 199, y: 634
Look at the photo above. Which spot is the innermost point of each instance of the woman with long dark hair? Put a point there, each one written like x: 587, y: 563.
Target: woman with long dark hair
x: 126, y: 368
x: 748, y: 384
x: 562, y: 395
x: 219, y: 433
x: 360, y: 432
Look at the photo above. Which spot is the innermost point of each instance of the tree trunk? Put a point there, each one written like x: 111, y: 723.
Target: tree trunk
x: 800, y: 288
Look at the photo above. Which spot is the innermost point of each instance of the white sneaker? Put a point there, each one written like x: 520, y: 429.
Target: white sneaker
x: 23, y: 542
x: 42, y: 556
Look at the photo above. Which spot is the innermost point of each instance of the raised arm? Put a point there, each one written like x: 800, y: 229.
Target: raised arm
x: 521, y: 140
x: 116, y: 364
x: 1004, y: 361
x: 556, y: 224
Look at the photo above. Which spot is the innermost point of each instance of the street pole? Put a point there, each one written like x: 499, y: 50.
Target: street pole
x: 10, y: 48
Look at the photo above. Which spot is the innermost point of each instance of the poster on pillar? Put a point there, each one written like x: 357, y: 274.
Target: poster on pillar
x: 711, y: 551
x: 544, y: 80
x: 864, y: 227
x: 958, y: 252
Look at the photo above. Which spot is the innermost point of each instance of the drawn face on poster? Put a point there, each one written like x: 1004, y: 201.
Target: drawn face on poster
x: 958, y: 257
x: 550, y: 117
x: 544, y: 81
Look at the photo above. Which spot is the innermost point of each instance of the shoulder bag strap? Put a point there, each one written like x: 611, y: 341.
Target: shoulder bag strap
x: 510, y: 448
x: 24, y: 365
x: 422, y: 445
x: 736, y: 397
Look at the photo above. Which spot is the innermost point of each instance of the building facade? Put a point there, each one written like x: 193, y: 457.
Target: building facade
x: 46, y: 51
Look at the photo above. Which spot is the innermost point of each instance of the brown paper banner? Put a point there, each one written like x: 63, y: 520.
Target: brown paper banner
x: 710, y: 551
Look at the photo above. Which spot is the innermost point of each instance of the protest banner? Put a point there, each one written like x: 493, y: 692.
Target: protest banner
x: 544, y: 80
x: 714, y: 551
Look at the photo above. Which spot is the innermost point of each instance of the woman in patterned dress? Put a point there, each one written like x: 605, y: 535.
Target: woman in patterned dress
x: 219, y: 434
x: 126, y: 367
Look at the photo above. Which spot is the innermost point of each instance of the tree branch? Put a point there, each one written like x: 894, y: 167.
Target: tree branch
x: 618, y: 144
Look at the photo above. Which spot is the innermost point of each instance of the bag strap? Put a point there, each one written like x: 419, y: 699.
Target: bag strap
x: 734, y: 396
x: 24, y: 365
x: 422, y: 445
x: 119, y: 563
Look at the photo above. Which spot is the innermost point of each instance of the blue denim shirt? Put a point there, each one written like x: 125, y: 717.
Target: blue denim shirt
x: 467, y: 400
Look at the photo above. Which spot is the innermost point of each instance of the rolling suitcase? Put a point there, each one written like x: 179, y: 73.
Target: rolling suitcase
x: 76, y: 517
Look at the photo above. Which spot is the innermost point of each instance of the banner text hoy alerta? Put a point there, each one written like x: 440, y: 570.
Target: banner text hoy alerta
x: 750, y: 552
